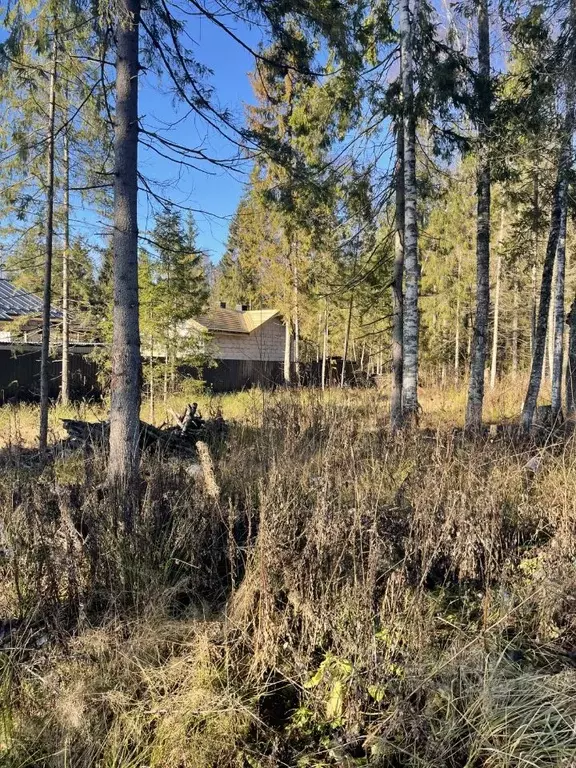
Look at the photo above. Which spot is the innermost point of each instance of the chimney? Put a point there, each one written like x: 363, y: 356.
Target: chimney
x: 222, y: 305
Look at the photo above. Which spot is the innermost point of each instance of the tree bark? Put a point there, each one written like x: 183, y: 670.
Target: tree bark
x: 123, y: 465
x: 559, y: 196
x: 411, y: 319
x: 457, y: 325
x: 571, y: 366
x: 398, y: 288
x: 483, y: 181
x: 65, y: 387
x: 469, y: 338
x: 549, y: 354
x: 287, y: 353
x: 47, y: 299
x: 151, y: 374
x: 515, y: 309
x: 346, y: 339
x: 325, y: 345
x: 536, y: 231
x: 165, y: 387
x: 559, y: 320
x: 494, y: 363
x: 296, y: 325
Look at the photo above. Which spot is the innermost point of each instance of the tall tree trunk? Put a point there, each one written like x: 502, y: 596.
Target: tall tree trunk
x: 443, y: 347
x: 287, y: 353
x: 47, y: 300
x: 165, y: 387
x: 411, y: 319
x: 533, y: 311
x: 571, y: 366
x: 457, y: 325
x: 515, y: 310
x: 123, y: 465
x: 559, y: 196
x: 346, y: 339
x: 172, y: 366
x: 559, y: 320
x: 494, y: 363
x: 325, y: 345
x: 151, y: 374
x: 549, y: 354
x: 397, y: 287
x: 296, y: 325
x: 483, y: 181
x: 65, y: 389
x: 319, y: 337
x: 536, y: 232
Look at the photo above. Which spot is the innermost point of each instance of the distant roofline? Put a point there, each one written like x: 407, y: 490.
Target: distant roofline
x: 215, y: 320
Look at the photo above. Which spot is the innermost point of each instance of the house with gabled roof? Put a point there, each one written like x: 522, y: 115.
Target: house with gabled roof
x: 248, y: 346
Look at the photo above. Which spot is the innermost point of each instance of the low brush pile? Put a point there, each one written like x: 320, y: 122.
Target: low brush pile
x: 179, y: 439
x: 339, y: 597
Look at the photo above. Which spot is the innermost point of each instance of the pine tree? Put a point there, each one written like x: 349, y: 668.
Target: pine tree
x: 479, y: 341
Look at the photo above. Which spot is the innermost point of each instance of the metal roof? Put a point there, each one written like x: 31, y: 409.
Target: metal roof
x: 234, y: 321
x: 16, y: 302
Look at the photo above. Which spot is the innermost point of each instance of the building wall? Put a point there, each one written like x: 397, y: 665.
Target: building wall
x: 234, y: 375
x: 265, y: 344
x: 20, y: 374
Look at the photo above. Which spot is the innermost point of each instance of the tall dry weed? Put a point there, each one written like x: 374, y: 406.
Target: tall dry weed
x: 345, y: 598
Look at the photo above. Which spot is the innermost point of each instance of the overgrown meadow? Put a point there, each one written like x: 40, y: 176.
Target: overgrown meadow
x: 320, y: 593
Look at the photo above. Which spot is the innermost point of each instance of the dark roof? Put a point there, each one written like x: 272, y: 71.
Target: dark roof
x: 16, y: 302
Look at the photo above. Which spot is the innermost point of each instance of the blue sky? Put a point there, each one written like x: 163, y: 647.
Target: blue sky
x: 218, y: 191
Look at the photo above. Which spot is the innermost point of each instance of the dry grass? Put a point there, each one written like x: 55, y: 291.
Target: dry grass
x: 333, y: 596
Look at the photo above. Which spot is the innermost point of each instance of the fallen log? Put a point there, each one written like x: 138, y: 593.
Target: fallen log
x: 178, y: 440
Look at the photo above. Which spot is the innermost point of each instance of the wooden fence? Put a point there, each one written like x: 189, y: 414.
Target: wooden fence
x: 20, y: 374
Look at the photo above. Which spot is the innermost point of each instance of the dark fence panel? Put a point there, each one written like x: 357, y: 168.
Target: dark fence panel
x: 232, y: 375
x: 20, y: 375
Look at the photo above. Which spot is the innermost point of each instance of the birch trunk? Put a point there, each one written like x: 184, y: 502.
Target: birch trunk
x: 397, y: 288
x: 494, y: 363
x: 571, y: 365
x: 478, y: 357
x: 411, y: 318
x: 558, y: 343
x: 65, y: 387
x: 47, y: 299
x: 559, y: 197
x: 123, y: 466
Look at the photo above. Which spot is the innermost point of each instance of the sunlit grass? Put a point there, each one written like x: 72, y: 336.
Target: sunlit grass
x: 443, y: 407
